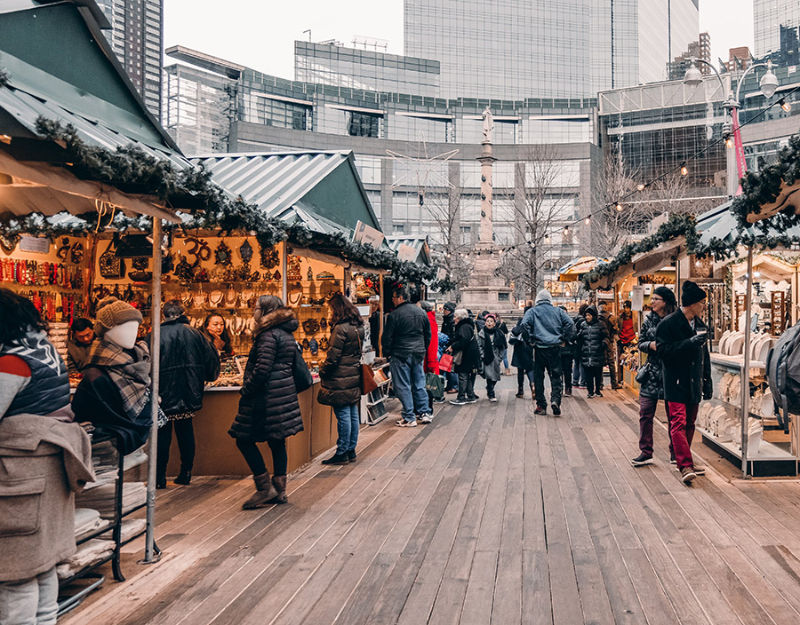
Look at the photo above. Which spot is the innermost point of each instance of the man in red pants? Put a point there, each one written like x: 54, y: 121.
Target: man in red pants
x: 681, y: 342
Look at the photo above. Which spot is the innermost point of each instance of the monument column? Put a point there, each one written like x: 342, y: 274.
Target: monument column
x: 486, y: 160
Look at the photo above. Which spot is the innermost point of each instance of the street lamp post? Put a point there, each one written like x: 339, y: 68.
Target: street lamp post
x: 736, y: 165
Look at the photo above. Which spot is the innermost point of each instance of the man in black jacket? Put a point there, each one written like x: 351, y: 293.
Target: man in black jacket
x: 405, y: 340
x: 188, y: 361
x: 448, y: 327
x: 681, y: 343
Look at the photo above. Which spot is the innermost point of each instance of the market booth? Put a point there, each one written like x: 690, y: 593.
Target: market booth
x: 315, y: 193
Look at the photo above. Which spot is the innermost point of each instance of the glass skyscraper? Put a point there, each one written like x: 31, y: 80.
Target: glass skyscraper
x: 776, y: 27
x: 559, y: 49
x: 135, y: 36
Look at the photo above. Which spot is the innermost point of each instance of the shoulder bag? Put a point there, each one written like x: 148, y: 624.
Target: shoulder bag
x: 300, y: 372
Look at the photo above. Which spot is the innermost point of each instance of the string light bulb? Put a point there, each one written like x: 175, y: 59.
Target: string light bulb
x: 640, y: 186
x: 785, y: 105
x: 684, y: 170
x: 588, y: 220
x: 618, y: 207
x: 728, y: 141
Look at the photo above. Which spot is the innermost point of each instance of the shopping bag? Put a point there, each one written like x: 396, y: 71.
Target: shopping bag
x: 368, y: 383
x: 433, y: 384
x: 446, y: 363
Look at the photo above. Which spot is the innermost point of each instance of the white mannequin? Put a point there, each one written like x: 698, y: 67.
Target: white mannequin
x: 124, y: 334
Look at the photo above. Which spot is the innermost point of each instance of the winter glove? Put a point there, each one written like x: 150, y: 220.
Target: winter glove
x: 698, y: 339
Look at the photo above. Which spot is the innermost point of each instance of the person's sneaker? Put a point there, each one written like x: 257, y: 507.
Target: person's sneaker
x: 520, y: 395
x: 568, y: 393
x: 337, y: 459
x: 598, y: 394
x: 426, y: 418
x: 590, y: 396
x: 641, y: 460
x: 351, y: 455
x: 472, y: 400
x: 540, y: 410
x: 458, y: 401
x: 687, y: 474
x: 556, y: 410
x: 493, y: 399
x: 402, y: 423
x: 672, y: 459
x: 451, y: 391
x: 699, y: 470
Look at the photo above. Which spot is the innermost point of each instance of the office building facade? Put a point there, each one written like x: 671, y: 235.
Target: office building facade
x: 136, y: 37
x: 401, y: 143
x: 776, y: 29
x: 564, y: 49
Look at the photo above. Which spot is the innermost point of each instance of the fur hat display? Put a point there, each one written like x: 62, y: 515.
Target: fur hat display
x: 113, y: 312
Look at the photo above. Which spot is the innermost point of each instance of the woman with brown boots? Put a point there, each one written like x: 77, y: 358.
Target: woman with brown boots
x: 268, y: 409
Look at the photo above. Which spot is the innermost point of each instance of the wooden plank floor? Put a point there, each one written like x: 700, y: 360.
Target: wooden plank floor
x: 489, y: 515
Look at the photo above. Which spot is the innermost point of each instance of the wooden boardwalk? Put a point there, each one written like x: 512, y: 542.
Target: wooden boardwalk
x: 488, y: 515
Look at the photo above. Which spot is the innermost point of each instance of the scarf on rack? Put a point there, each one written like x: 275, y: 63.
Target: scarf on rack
x: 492, y: 336
x: 129, y: 369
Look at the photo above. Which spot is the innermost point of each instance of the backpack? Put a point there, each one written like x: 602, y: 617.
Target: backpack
x: 783, y: 375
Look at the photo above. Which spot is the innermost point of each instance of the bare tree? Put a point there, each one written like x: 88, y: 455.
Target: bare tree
x: 451, y: 250
x: 625, y: 209
x: 544, y: 201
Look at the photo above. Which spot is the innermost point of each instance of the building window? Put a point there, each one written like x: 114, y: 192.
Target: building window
x: 399, y: 228
x: 502, y: 297
x: 363, y: 125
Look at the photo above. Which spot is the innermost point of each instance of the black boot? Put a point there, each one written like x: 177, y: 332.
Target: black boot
x: 337, y: 458
x: 184, y: 477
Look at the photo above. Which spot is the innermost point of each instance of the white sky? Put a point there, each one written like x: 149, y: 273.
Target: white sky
x: 260, y: 33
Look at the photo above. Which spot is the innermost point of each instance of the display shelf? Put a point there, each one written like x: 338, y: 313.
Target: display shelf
x: 767, y: 452
x: 735, y: 363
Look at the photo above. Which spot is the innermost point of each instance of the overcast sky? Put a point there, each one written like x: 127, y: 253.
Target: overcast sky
x: 260, y: 34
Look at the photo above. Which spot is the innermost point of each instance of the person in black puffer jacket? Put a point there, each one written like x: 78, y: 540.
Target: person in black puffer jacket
x: 651, y: 388
x: 188, y: 360
x: 268, y: 408
x: 578, y: 374
x: 340, y: 376
x: 522, y: 358
x: 592, y: 338
x: 466, y: 344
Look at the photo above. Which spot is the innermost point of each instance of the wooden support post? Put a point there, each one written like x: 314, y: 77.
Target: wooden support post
x: 746, y: 364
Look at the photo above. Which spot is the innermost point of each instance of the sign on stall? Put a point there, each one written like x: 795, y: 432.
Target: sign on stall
x: 637, y: 298
x: 368, y: 235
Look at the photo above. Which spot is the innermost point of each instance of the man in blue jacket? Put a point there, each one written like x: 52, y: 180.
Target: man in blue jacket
x: 549, y: 328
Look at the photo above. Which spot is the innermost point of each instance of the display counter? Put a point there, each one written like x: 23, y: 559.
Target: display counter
x: 217, y: 453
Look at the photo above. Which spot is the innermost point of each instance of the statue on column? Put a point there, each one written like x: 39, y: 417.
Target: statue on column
x: 488, y: 125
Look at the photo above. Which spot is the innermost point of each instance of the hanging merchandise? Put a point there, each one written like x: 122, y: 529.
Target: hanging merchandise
x: 199, y: 249
x: 269, y: 257
x: 293, y: 268
x: 111, y: 266
x: 76, y: 253
x: 183, y: 270
x: 246, y: 252
x: 222, y: 255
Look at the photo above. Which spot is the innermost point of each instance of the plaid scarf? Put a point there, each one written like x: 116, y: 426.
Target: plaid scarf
x: 128, y: 369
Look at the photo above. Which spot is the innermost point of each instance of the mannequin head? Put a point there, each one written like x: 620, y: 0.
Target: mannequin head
x: 124, y: 334
x: 117, y: 322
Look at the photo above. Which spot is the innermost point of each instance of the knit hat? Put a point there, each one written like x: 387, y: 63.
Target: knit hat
x: 113, y: 312
x: 691, y: 293
x: 666, y: 294
x: 449, y: 306
x: 544, y: 296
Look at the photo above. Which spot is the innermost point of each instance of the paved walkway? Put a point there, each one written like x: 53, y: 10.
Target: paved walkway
x: 488, y: 515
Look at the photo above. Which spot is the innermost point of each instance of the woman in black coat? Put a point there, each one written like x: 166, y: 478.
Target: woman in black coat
x: 651, y: 387
x: 340, y: 376
x: 592, y: 337
x: 522, y: 358
x: 464, y: 348
x: 268, y: 408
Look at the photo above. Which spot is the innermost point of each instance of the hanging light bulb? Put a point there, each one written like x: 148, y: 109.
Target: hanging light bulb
x: 588, y: 220
x: 684, y: 170
x: 618, y: 207
x: 728, y: 141
x: 640, y: 186
x: 785, y: 105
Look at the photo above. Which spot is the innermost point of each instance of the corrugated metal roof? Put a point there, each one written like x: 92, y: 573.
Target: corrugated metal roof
x: 276, y: 182
x: 419, y: 243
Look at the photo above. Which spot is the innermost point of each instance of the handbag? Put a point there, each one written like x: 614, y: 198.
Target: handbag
x: 458, y: 358
x: 111, y: 265
x: 301, y: 373
x: 446, y: 363
x: 433, y: 384
x: 643, y: 374
x: 368, y: 383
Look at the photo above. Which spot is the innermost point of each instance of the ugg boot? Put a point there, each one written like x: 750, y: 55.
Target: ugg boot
x: 279, y: 482
x: 265, y: 492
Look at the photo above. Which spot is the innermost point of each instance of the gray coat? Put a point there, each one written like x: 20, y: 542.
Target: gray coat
x: 492, y: 371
